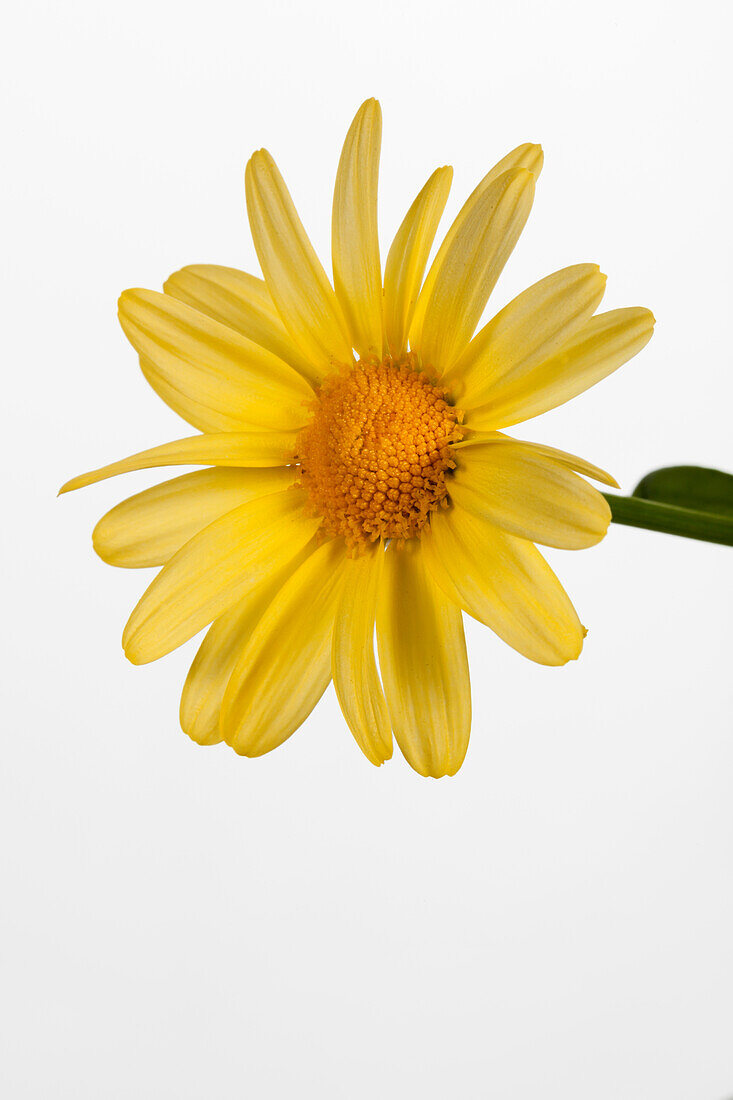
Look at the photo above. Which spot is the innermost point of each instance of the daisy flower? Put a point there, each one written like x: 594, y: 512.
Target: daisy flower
x: 357, y: 478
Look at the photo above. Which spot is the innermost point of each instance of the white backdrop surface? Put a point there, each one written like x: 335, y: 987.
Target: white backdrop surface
x: 556, y: 920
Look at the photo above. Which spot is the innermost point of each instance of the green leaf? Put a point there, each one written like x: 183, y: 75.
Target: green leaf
x: 691, y: 501
x: 694, y: 487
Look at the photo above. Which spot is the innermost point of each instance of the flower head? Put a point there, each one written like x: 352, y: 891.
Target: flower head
x: 375, y: 455
x: 356, y: 473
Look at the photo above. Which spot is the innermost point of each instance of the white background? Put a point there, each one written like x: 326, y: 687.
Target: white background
x: 177, y: 922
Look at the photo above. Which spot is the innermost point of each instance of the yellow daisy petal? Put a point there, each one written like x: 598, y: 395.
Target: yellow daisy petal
x: 422, y: 655
x: 295, y: 277
x: 220, y: 650
x: 214, y: 570
x: 471, y: 266
x: 530, y: 494
x: 524, y: 156
x: 408, y: 256
x: 505, y: 583
x: 286, y: 664
x: 357, y: 271
x: 573, y: 462
x: 150, y: 527
x: 353, y: 663
x: 213, y: 364
x: 242, y: 302
x: 602, y: 346
x: 221, y: 449
x: 529, y: 330
x: 193, y: 412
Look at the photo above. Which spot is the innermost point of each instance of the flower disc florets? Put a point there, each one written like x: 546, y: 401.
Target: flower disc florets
x: 375, y: 455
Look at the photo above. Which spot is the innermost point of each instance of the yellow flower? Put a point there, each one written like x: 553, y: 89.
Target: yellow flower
x: 357, y: 475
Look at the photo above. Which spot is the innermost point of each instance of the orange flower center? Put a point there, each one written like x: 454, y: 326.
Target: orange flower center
x: 374, y: 457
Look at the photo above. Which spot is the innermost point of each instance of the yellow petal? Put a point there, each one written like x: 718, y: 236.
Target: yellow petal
x: 242, y: 302
x: 215, y: 569
x: 505, y: 583
x: 527, y: 155
x: 220, y: 650
x: 286, y: 665
x: 573, y: 462
x: 471, y: 266
x: 213, y: 364
x: 150, y: 527
x: 220, y: 449
x: 295, y: 277
x: 523, y: 490
x: 524, y: 156
x: 353, y: 663
x: 605, y: 343
x: 529, y: 330
x: 408, y: 256
x: 357, y: 271
x: 202, y: 417
x: 422, y: 655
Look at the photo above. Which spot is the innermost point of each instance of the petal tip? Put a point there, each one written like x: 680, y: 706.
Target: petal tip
x: 128, y: 295
x: 260, y: 158
x: 133, y: 655
x: 131, y: 300
x: 644, y: 315
x: 574, y: 650
x: 538, y: 158
x: 100, y: 545
x: 73, y: 483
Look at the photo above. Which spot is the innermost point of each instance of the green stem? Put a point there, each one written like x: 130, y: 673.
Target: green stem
x: 636, y: 512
